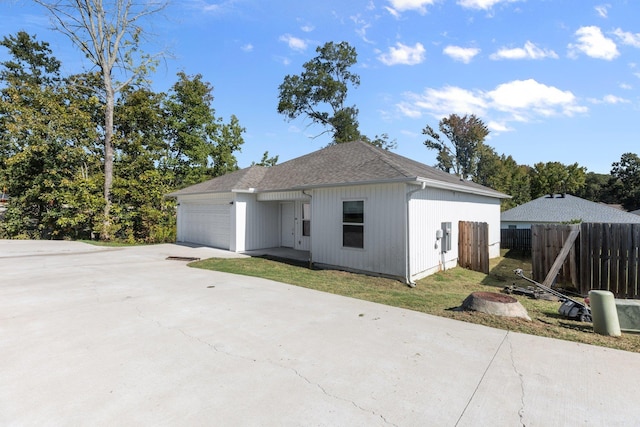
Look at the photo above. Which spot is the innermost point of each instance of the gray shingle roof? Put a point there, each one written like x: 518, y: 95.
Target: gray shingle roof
x: 242, y: 179
x: 340, y: 164
x: 565, y: 209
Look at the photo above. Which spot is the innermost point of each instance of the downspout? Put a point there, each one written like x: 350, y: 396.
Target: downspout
x: 310, y: 234
x: 407, y: 278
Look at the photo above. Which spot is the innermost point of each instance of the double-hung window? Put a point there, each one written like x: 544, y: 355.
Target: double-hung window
x: 306, y: 219
x: 353, y: 224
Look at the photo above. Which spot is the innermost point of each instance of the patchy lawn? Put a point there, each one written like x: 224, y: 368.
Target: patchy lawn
x: 436, y: 295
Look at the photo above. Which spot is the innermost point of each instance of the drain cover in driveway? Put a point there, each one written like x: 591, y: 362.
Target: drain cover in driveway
x: 182, y: 258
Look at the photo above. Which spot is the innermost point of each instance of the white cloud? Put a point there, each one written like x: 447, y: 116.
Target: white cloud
x: 393, y: 12
x: 603, y: 10
x: 362, y: 27
x: 521, y: 97
x: 497, y: 127
x: 217, y: 8
x: 482, y: 4
x: 529, y: 51
x: 627, y: 37
x: 462, y: 54
x: 610, y: 99
x: 294, y: 42
x: 247, y: 47
x: 403, y: 5
x: 408, y: 109
x: 403, y: 54
x: 515, y: 101
x: 625, y: 86
x: 593, y: 43
x: 442, y: 102
x: 307, y: 28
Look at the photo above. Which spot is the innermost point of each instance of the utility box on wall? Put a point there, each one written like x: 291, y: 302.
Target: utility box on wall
x: 445, y: 246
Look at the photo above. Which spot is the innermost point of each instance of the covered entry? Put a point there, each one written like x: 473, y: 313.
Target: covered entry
x: 295, y: 225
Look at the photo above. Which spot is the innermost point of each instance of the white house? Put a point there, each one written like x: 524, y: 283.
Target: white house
x: 352, y: 206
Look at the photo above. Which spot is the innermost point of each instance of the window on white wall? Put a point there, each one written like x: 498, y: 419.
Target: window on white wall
x: 353, y: 224
x: 306, y: 219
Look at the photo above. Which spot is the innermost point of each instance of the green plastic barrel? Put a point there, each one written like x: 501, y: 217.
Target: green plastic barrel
x: 604, y: 313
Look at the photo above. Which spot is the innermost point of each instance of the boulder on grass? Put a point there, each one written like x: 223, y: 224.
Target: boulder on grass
x: 495, y: 303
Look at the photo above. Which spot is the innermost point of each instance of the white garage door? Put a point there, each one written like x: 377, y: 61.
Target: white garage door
x: 205, y: 223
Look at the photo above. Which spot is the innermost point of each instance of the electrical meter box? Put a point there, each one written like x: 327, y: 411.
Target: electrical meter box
x: 445, y: 229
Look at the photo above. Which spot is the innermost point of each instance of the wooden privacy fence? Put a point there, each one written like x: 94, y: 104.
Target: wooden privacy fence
x: 473, y: 246
x: 609, y: 258
x: 604, y: 256
x: 547, y: 241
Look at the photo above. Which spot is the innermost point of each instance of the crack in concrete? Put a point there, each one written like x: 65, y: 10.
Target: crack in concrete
x: 521, y: 376
x: 333, y: 396
x: 482, y: 378
x: 270, y: 362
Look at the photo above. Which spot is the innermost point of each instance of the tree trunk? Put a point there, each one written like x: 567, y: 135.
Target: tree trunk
x: 108, y: 156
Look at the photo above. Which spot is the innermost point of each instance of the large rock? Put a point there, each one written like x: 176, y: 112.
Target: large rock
x: 495, y: 303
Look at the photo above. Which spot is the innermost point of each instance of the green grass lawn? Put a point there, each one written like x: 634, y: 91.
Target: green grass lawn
x: 436, y: 294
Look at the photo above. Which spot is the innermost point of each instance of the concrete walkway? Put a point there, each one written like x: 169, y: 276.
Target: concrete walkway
x: 123, y: 336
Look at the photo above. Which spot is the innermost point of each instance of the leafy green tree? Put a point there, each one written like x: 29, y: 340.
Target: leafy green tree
x: 555, y: 177
x: 109, y: 36
x: 31, y: 63
x: 319, y: 93
x: 44, y: 168
x: 596, y: 188
x: 381, y: 141
x: 625, y: 181
x: 45, y: 138
x: 200, y: 145
x: 140, y: 212
x: 266, y: 160
x: 502, y: 173
x: 466, y: 135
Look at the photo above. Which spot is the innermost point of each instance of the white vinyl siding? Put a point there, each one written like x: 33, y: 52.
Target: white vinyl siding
x: 384, y: 246
x: 428, y: 209
x: 256, y: 224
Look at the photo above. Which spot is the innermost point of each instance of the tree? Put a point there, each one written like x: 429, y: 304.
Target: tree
x: 46, y: 134
x: 626, y: 180
x: 466, y: 135
x: 502, y: 173
x: 109, y: 36
x: 555, y: 177
x: 266, y: 160
x: 381, y: 141
x: 596, y: 188
x: 32, y: 61
x: 320, y: 91
x: 200, y: 145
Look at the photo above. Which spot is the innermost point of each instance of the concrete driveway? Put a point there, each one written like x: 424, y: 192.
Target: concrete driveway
x: 122, y: 336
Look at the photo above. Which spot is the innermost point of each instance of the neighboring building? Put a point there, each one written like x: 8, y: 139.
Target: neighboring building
x: 561, y: 208
x: 352, y: 206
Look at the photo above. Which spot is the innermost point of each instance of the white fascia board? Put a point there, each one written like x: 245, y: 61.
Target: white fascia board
x: 461, y: 188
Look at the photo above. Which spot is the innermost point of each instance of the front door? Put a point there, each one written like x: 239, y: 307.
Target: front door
x: 287, y: 225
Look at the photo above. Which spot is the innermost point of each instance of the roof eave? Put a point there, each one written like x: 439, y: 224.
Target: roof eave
x: 462, y: 188
x: 194, y: 193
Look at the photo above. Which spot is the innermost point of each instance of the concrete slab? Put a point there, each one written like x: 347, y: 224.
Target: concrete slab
x: 124, y: 337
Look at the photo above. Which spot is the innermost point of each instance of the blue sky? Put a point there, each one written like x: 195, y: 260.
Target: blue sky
x: 553, y: 80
